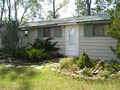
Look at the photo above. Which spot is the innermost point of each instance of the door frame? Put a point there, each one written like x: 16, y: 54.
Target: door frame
x: 77, y: 40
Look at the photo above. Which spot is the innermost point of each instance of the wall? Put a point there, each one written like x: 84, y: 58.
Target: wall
x: 33, y: 34
x: 96, y: 47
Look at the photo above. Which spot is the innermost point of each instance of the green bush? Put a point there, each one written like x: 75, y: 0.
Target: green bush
x: 86, y: 72
x: 37, y: 54
x: 30, y: 54
x: 21, y: 53
x: 9, y: 37
x: 67, y: 62
x: 46, y: 44
x: 84, y: 61
x: 113, y: 67
x: 104, y: 73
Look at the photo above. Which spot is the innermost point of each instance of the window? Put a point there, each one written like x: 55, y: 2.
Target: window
x: 26, y: 34
x: 99, y: 30
x: 91, y: 30
x: 49, y: 32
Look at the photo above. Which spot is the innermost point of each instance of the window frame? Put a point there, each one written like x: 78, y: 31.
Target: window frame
x: 103, y: 31
x: 52, y: 32
x: 25, y: 34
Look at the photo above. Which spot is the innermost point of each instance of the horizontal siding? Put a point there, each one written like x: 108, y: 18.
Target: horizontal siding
x: 61, y: 42
x: 96, y: 47
x: 33, y: 34
x: 31, y: 38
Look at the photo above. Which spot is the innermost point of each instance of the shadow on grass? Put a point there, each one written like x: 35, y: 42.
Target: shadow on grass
x: 21, y: 76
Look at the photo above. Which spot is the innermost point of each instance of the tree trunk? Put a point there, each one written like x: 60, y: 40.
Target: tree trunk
x: 54, y: 9
x: 88, y: 3
x: 9, y: 9
x: 15, y: 2
x: 2, y: 10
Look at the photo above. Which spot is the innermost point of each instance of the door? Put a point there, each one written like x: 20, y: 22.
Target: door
x: 72, y: 40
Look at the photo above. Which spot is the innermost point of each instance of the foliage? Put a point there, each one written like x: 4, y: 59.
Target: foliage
x: 56, y: 55
x: 104, y: 73
x: 55, y: 8
x: 84, y: 61
x: 67, y: 62
x: 37, y: 54
x: 9, y: 9
x: 103, y: 5
x: 31, y: 54
x: 21, y: 53
x: 86, y: 72
x: 113, y: 67
x: 114, y: 28
x: 46, y: 44
x: 9, y: 37
x: 80, y: 7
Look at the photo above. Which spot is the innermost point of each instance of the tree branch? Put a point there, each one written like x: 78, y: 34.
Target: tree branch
x: 61, y: 6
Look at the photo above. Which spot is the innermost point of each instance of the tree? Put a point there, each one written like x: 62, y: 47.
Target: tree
x: 104, y: 5
x: 56, y: 7
x: 114, y: 28
x: 11, y: 8
x: 88, y: 5
x: 80, y: 7
x: 83, y: 7
x: 10, y: 37
x: 2, y: 5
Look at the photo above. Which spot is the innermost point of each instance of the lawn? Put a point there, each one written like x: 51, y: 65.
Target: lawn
x: 29, y: 78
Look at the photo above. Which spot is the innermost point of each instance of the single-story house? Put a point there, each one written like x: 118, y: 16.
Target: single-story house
x: 74, y: 35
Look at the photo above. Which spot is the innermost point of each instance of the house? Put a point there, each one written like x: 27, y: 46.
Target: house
x: 74, y: 35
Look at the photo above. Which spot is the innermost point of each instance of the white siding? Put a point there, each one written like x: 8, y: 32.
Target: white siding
x: 61, y: 41
x: 33, y: 34
x: 96, y: 47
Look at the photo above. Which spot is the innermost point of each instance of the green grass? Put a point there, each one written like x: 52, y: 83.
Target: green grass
x: 27, y: 78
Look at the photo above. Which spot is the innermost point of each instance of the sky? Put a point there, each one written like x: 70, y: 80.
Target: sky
x: 67, y: 11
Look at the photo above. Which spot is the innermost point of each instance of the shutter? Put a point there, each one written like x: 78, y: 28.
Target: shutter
x: 40, y: 33
x: 88, y: 30
x: 58, y: 32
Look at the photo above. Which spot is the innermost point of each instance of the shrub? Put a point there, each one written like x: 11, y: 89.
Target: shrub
x: 30, y: 54
x: 21, y: 53
x: 104, y: 73
x: 46, y: 44
x: 86, y: 72
x: 114, y: 28
x: 113, y: 67
x: 37, y: 54
x: 67, y: 62
x: 9, y: 37
x: 84, y: 61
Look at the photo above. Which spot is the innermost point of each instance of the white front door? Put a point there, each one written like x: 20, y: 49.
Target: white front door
x: 72, y: 40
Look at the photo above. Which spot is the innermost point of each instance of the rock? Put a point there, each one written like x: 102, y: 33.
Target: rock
x: 53, y: 69
x: 19, y: 66
x: 58, y: 71
x: 39, y: 67
x: 118, y: 72
x: 10, y: 65
x: 79, y: 72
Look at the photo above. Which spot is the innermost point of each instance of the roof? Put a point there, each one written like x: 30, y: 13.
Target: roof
x: 63, y: 21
